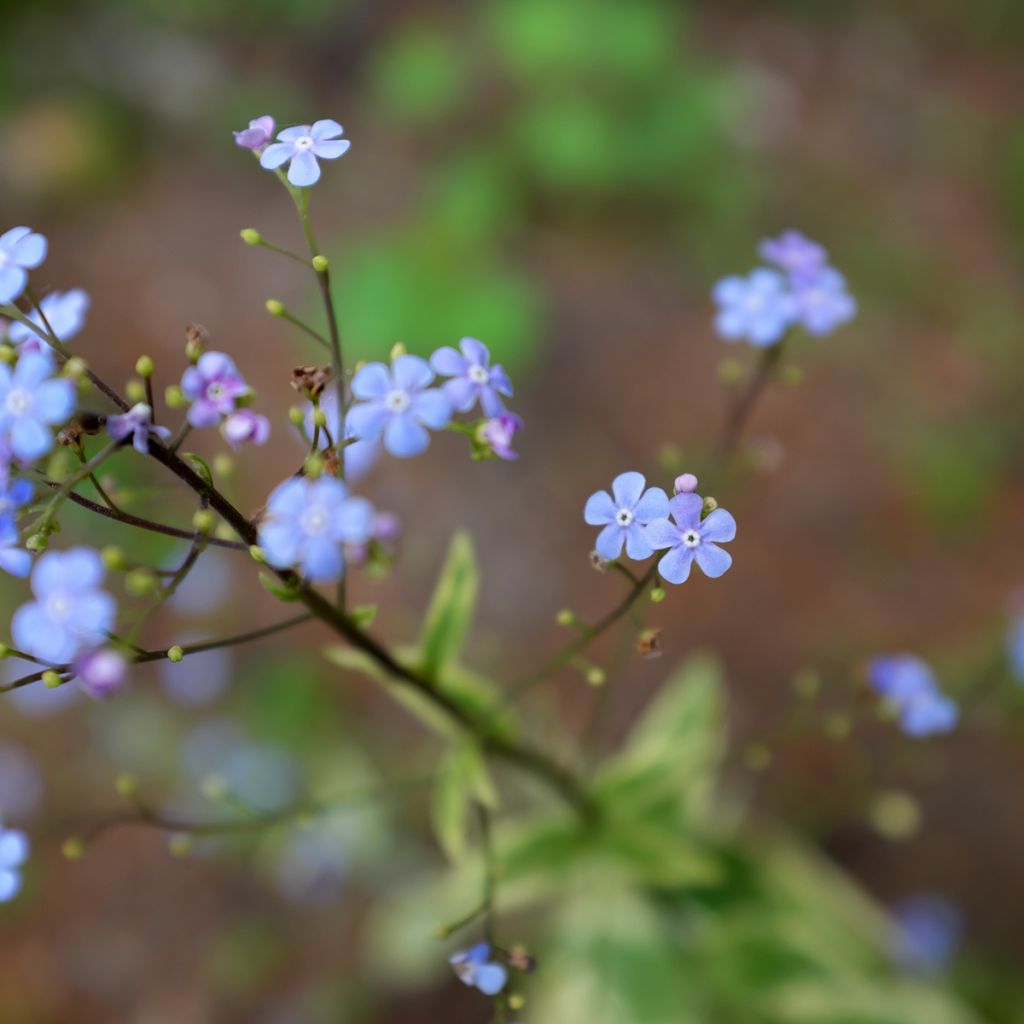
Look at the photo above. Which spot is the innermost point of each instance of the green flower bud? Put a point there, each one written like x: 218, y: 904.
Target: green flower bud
x: 320, y: 264
x: 275, y: 308
x: 175, y: 397
x: 37, y: 542
x: 73, y: 848
x: 75, y: 368
x: 595, y: 676
x: 895, y: 815
x: 398, y: 349
x: 140, y: 582
x: 135, y: 391
x: 224, y: 531
x: 126, y: 785
x: 113, y: 557
x: 51, y: 679
x: 251, y: 236
x: 709, y: 506
x: 180, y: 845
x: 204, y: 521
x: 314, y: 466
x: 214, y: 788
x: 257, y: 555
x: 8, y: 354
x: 223, y: 465
x: 175, y: 654
x: 730, y: 371
x: 144, y: 367
x: 566, y: 617
x: 296, y: 416
x: 4, y: 650
x: 319, y: 418
x: 658, y: 594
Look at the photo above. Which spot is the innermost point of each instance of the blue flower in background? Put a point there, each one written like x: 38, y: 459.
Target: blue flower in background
x: 14, y: 849
x: 624, y: 513
x: 65, y: 313
x: 691, y: 539
x: 909, y: 685
x: 14, y: 495
x: 759, y: 308
x: 794, y: 253
x: 307, y: 523
x: 70, y: 611
x: 31, y: 403
x: 822, y: 302
x: 21, y: 250
x: 474, y: 967
x: 397, y: 405
x: 473, y: 378
x: 1015, y: 648
x: 302, y: 146
x: 927, y: 932
x: 14, y: 559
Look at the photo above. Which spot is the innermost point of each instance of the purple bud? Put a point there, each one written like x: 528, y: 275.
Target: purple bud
x: 686, y: 483
x: 101, y: 673
x: 257, y: 135
x: 387, y: 527
x: 245, y: 425
x: 498, y: 433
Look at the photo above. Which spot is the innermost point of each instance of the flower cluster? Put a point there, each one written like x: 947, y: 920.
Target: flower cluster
x: 32, y: 402
x: 300, y: 146
x: 218, y: 394
x: 908, y: 684
x: 804, y: 291
x: 644, y: 520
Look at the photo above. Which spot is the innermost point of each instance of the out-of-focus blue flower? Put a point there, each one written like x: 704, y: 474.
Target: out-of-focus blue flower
x: 1015, y: 648
x: 794, y: 253
x: 475, y: 968
x: 257, y: 135
x: 15, y: 495
x: 359, y: 456
x: 65, y: 313
x: 70, y: 612
x: 21, y: 783
x: 498, y: 432
x: 303, y: 145
x: 759, y: 308
x: 213, y: 386
x: 927, y: 931
x: 315, y: 860
x: 21, y: 250
x: 395, y: 403
x: 14, y: 848
x: 624, y: 513
x: 14, y: 559
x: 101, y: 673
x: 243, y: 426
x: 307, y: 523
x: 137, y: 424
x: 690, y: 538
x: 32, y: 401
x: 473, y: 378
x: 909, y: 685
x: 822, y: 301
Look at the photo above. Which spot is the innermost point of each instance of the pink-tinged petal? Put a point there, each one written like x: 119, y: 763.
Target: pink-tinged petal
x: 686, y: 510
x: 599, y: 510
x: 331, y: 150
x: 30, y: 251
x: 637, y: 546
x: 295, y: 132
x: 404, y: 437
x: 447, y: 362
x: 372, y: 381
x: 713, y: 560
x: 653, y: 505
x: 410, y: 373
x: 325, y: 129
x: 366, y: 420
x: 609, y: 541
x: 303, y: 171
x: 662, y: 533
x: 675, y: 566
x: 627, y: 488
x: 275, y: 155
x: 719, y: 526
x: 432, y: 408
x: 216, y: 365
x: 203, y: 414
x: 475, y: 351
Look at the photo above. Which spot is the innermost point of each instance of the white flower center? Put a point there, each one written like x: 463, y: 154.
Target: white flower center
x: 215, y: 391
x: 304, y: 142
x: 19, y: 401
x: 478, y: 374
x: 58, y: 606
x: 754, y: 302
x: 624, y: 516
x: 691, y: 538
x: 397, y: 401
x: 4, y: 259
x: 315, y: 520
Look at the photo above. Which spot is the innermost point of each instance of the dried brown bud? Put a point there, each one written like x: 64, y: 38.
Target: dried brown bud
x: 70, y: 436
x: 196, y: 334
x: 310, y: 380
x: 648, y: 643
x: 331, y: 462
x: 520, y: 959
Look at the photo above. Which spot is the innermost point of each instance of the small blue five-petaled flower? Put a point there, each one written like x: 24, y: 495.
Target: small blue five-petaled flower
x: 759, y: 308
x: 909, y: 685
x: 302, y: 145
x: 624, y: 513
x: 475, y: 968
x: 308, y: 521
x: 692, y: 539
x: 70, y: 612
x: 21, y: 250
x: 31, y: 403
x: 473, y: 378
x: 398, y: 404
x: 14, y: 849
x: 64, y: 314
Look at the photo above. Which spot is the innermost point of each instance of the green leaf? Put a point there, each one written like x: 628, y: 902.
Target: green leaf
x: 451, y: 608
x: 274, y: 586
x: 463, y: 780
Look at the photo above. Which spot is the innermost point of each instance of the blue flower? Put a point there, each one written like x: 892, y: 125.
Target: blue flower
x: 257, y: 135
x: 100, y: 673
x: 689, y: 539
x: 1015, y: 648
x: 396, y: 404
x: 909, y: 685
x: 822, y: 301
x: 794, y: 253
x: 926, y: 934
x: 137, y: 424
x: 307, y: 523
x: 474, y: 967
x: 21, y: 250
x: 31, y: 402
x: 472, y: 377
x: 65, y: 313
x: 14, y: 495
x: 624, y: 513
x: 14, y: 849
x: 70, y: 612
x: 14, y: 559
x: 302, y: 145
x: 758, y: 308
x: 359, y: 456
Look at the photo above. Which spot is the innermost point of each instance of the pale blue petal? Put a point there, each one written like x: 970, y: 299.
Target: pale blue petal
x: 55, y: 400
x: 661, y: 533
x: 14, y: 848
x: 653, y: 505
x: 288, y: 500
x: 713, y: 560
x: 609, y: 541
x: 490, y: 978
x: 10, y: 884
x: 447, y: 362
x: 719, y: 526
x: 475, y: 351
x: 461, y: 393
x: 686, y: 510
x: 280, y: 544
x: 627, y: 488
x: 15, y: 561
x: 331, y: 150
x: 12, y: 283
x: 600, y: 509
x: 321, y: 560
x: 30, y: 439
x: 432, y: 408
x: 366, y: 420
x: 30, y: 251
x: 303, y: 171
x: 675, y: 566
x: 637, y: 546
x: 410, y: 373
x: 276, y: 154
x: 371, y: 381
x: 491, y: 404
x: 325, y: 129
x: 353, y: 521
x: 404, y: 437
